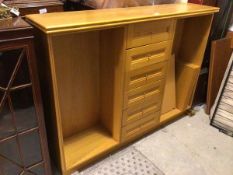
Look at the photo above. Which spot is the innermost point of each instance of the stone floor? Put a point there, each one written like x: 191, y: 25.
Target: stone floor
x: 189, y: 146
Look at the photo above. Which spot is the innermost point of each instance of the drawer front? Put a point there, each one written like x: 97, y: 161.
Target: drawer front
x: 138, y: 127
x: 138, y: 112
x: 149, y: 32
x: 144, y: 94
x: 146, y: 75
x: 147, y: 55
x: 130, y: 131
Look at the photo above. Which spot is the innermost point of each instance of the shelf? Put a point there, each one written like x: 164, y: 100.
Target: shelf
x: 170, y: 115
x: 88, y: 144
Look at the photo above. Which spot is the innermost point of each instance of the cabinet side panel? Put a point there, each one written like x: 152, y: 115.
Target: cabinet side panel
x: 54, y: 131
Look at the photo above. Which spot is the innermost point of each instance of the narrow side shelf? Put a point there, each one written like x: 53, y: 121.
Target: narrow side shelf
x: 83, y: 146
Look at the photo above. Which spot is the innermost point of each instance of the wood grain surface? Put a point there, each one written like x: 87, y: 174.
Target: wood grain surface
x: 83, y: 20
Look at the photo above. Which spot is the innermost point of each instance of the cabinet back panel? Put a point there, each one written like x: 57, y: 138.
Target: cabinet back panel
x: 76, y: 59
x: 194, y: 38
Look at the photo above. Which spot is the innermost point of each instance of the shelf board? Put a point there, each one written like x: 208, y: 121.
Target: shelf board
x: 86, y: 145
x: 170, y: 115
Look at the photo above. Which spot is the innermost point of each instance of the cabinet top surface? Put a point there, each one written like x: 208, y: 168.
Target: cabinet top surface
x: 92, y: 19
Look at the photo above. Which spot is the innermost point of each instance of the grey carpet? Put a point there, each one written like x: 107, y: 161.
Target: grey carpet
x: 127, y: 162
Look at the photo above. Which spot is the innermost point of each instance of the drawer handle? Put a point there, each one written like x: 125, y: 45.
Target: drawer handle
x: 134, y: 116
x: 135, y: 81
x: 150, y: 109
x: 135, y: 99
x: 148, y: 94
x: 155, y: 73
x: 132, y: 131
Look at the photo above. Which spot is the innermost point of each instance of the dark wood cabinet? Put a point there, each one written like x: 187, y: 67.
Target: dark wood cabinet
x: 23, y: 143
x: 27, y: 7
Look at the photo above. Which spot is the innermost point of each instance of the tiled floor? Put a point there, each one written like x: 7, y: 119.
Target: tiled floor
x: 189, y: 146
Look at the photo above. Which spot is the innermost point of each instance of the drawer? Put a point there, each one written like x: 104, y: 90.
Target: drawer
x: 130, y: 131
x: 144, y: 94
x: 132, y: 114
x: 147, y: 55
x: 138, y: 112
x: 140, y: 34
x: 140, y: 126
x: 149, y: 74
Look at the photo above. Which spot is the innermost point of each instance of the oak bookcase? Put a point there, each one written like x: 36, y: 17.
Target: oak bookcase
x: 103, y: 74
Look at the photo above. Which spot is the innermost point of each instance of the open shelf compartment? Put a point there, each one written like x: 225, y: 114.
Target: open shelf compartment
x: 189, y: 45
x: 88, y: 68
x: 86, y: 145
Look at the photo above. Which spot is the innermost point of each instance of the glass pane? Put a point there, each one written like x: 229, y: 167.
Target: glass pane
x: 8, y: 168
x: 23, y: 104
x: 6, y: 123
x: 30, y: 148
x: 8, y: 60
x: 9, y: 149
x: 38, y: 170
x: 22, y: 76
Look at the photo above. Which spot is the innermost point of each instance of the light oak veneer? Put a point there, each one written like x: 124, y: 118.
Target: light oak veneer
x: 104, y: 72
x: 76, y: 21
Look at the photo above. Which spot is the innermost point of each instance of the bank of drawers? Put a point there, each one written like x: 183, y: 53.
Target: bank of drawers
x: 149, y: 46
x: 142, y: 107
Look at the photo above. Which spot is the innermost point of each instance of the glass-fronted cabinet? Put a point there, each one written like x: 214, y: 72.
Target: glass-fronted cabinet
x: 23, y: 145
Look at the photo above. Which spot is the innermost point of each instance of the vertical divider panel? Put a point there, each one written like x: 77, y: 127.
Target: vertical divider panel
x: 112, y: 65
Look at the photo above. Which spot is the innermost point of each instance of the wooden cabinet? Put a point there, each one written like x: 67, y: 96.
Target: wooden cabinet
x: 23, y: 144
x: 34, y: 7
x: 103, y: 78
